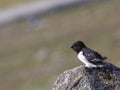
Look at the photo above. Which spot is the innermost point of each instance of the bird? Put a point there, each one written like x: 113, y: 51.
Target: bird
x: 89, y: 57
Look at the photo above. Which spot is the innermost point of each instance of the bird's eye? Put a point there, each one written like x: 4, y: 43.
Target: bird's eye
x: 76, y: 47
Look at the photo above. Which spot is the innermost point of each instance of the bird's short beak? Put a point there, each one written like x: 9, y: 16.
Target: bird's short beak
x: 72, y: 46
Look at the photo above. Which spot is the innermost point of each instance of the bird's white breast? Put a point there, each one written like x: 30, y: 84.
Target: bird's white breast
x: 83, y: 59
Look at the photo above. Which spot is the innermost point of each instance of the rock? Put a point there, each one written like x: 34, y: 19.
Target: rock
x: 82, y: 78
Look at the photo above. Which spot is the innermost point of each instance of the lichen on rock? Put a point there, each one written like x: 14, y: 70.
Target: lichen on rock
x: 82, y: 78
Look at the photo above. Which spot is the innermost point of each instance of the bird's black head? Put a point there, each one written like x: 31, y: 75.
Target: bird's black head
x: 77, y: 46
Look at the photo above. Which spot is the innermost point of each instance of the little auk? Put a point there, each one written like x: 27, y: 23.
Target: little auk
x: 89, y: 57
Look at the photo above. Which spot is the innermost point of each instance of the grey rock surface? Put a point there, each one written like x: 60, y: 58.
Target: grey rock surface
x: 82, y: 78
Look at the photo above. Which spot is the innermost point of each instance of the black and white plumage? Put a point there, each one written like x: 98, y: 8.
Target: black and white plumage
x: 88, y: 56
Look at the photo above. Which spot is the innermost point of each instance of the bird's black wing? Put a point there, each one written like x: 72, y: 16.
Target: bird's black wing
x: 92, y: 56
x: 96, y: 60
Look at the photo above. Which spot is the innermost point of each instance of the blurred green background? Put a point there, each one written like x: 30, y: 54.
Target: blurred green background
x: 32, y: 56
